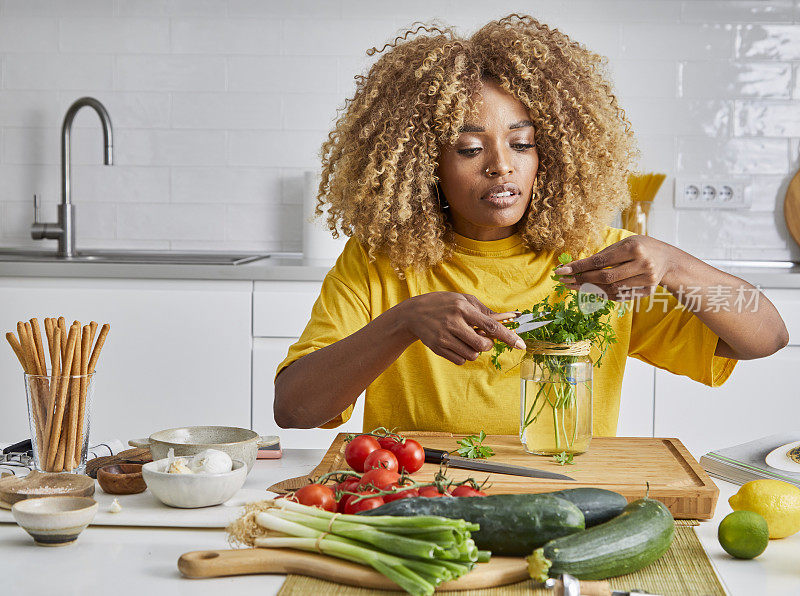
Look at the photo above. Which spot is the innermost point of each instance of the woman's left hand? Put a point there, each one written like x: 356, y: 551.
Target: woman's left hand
x: 630, y: 268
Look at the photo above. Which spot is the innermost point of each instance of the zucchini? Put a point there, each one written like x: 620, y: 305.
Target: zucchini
x: 597, y: 504
x: 510, y: 524
x: 627, y: 543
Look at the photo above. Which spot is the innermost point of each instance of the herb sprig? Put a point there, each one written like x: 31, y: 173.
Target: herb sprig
x: 576, y: 316
x: 472, y: 448
x: 564, y: 458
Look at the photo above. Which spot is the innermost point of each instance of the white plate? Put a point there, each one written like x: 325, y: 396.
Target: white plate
x: 777, y: 458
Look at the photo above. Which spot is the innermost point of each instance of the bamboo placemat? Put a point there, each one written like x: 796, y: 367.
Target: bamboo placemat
x: 684, y: 569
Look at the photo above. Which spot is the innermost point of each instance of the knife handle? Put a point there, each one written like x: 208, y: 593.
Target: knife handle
x: 20, y: 447
x: 435, y: 456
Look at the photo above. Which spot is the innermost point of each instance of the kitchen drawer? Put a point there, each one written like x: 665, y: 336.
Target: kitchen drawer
x: 787, y: 301
x: 178, y: 352
x: 267, y: 354
x: 760, y: 398
x: 282, y: 309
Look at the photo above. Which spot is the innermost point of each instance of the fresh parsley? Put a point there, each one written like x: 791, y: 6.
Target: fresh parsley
x: 471, y: 447
x: 564, y: 458
x: 576, y: 316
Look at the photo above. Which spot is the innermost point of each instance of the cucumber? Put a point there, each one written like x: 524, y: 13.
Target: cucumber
x: 627, y: 543
x: 510, y: 524
x: 597, y: 504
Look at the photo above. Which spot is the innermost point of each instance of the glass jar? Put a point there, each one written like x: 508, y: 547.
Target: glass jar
x: 556, y: 399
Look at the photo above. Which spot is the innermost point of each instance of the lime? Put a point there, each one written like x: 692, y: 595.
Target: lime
x: 743, y: 534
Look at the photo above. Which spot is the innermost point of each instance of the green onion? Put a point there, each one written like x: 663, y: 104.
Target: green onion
x: 416, y: 553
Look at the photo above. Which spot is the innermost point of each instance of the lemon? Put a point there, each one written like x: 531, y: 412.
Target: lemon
x: 743, y: 534
x: 777, y: 501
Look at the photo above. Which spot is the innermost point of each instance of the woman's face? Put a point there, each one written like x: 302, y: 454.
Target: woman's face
x: 493, y: 156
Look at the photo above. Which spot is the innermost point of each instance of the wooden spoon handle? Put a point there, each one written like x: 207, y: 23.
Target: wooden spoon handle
x: 216, y: 563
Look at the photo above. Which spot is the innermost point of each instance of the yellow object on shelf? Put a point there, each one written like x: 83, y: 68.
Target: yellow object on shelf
x: 643, y: 190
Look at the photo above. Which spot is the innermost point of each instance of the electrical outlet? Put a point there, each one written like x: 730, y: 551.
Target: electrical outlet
x: 700, y: 193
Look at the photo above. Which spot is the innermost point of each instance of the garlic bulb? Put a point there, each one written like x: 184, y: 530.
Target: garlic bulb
x: 211, y: 461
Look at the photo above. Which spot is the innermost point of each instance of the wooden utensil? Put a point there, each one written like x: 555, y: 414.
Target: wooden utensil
x: 499, y: 571
x: 791, y: 207
x: 43, y: 484
x: 129, y: 456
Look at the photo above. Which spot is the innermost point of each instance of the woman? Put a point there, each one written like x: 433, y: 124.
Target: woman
x: 462, y: 168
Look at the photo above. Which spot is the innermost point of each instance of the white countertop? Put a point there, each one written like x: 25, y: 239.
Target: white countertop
x: 140, y: 561
x: 281, y: 268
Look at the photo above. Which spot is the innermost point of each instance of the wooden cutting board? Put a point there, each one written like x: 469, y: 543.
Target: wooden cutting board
x: 791, y: 207
x: 621, y: 464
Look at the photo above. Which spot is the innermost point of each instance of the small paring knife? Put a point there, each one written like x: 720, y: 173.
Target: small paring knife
x: 439, y: 456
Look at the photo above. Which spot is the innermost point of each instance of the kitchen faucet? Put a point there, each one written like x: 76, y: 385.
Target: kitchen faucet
x: 64, y: 229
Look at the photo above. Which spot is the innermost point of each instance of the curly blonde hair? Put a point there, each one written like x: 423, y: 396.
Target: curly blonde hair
x: 379, y: 161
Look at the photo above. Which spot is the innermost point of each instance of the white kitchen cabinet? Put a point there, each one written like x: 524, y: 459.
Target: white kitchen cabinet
x: 636, y: 405
x: 760, y: 398
x: 268, y: 352
x: 282, y: 309
x: 178, y: 352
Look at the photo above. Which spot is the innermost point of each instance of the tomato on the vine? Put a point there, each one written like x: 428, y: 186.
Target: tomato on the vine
x: 432, y: 491
x: 317, y: 495
x: 354, y: 506
x: 466, y: 490
x: 410, y: 455
x: 387, y: 442
x: 403, y: 494
x: 381, y: 459
x: 380, y: 479
x: 358, y: 449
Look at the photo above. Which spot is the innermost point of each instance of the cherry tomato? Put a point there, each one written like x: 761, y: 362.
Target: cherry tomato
x: 387, y: 442
x: 432, y: 491
x: 317, y: 495
x: 358, y: 449
x: 410, y: 455
x: 403, y: 494
x: 364, y: 504
x: 466, y: 490
x: 380, y: 479
x: 381, y: 459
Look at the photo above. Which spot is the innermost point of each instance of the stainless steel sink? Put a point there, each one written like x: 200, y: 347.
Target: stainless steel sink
x: 138, y: 257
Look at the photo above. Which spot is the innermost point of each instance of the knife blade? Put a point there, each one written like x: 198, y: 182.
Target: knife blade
x: 439, y: 456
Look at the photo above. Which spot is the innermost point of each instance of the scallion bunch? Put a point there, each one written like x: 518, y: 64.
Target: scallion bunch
x: 417, y: 553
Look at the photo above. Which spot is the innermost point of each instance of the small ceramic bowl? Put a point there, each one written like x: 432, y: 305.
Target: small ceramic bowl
x: 121, y: 479
x: 193, y: 490
x: 54, y: 521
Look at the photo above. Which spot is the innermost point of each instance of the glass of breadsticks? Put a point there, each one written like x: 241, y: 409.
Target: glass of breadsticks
x: 59, y: 397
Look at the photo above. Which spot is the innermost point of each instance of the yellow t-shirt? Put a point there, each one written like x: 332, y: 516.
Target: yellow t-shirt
x: 423, y: 391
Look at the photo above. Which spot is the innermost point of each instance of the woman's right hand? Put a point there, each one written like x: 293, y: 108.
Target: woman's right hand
x: 455, y: 326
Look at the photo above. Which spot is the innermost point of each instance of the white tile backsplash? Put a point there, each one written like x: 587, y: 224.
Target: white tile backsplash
x: 219, y: 106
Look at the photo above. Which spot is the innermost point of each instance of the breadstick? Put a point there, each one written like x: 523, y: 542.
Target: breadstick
x: 73, y: 402
x: 43, y: 387
x: 29, y: 354
x: 93, y: 325
x: 15, y: 345
x: 30, y: 366
x: 55, y: 373
x: 61, y: 399
x: 48, y: 331
x: 37, y: 343
x: 86, y: 344
x: 61, y: 451
x: 63, y: 325
x: 101, y: 339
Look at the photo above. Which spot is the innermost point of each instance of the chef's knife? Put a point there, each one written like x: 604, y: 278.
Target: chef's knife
x: 439, y: 456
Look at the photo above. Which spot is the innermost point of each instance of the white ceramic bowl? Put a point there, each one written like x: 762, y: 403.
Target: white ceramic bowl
x: 193, y: 490
x: 54, y: 521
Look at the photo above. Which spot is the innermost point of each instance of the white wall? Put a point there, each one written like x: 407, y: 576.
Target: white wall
x: 219, y: 106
